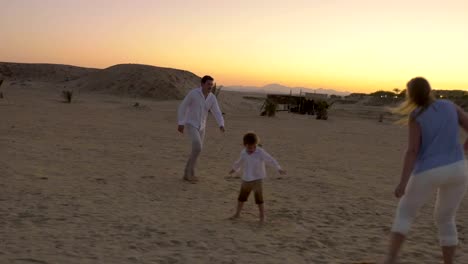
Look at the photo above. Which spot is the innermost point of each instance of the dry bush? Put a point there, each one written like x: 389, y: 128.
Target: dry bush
x: 67, y: 95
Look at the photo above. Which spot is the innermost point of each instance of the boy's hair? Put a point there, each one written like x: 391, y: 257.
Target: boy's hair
x: 250, y: 139
x: 206, y: 78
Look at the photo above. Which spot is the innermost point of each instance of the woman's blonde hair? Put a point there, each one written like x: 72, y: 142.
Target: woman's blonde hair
x: 418, y: 95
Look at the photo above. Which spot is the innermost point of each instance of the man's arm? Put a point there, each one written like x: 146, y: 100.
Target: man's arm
x: 218, y: 115
x: 182, y: 111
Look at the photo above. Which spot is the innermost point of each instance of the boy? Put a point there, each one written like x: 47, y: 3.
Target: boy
x: 253, y: 159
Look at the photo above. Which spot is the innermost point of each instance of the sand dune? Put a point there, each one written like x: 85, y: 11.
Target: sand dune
x: 125, y: 79
x: 141, y: 80
x: 42, y: 72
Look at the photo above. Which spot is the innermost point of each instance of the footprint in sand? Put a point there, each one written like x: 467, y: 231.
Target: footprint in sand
x: 30, y: 260
x: 101, y: 181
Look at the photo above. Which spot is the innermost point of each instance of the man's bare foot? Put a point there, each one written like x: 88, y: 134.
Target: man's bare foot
x: 389, y: 261
x: 234, y: 217
x: 190, y: 179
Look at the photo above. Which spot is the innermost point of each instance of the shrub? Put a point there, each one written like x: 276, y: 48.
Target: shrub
x: 215, y: 90
x: 322, y: 110
x: 67, y: 96
x: 270, y: 108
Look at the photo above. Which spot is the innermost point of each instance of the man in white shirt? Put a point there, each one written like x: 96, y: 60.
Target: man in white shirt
x: 192, y: 115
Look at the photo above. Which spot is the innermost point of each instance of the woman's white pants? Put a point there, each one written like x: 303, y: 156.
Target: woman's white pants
x: 451, y: 183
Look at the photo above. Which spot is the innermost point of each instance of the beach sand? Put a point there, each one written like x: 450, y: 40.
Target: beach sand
x: 99, y: 181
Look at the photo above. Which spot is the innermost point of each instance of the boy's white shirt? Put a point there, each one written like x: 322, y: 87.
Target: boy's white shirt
x: 254, y: 164
x: 194, y: 109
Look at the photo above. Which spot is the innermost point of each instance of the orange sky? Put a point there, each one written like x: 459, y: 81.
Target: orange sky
x: 354, y: 45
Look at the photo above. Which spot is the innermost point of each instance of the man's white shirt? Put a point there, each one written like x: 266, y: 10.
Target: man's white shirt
x: 194, y: 109
x: 254, y: 164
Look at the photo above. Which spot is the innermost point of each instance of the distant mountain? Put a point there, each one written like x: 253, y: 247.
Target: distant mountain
x: 281, y: 89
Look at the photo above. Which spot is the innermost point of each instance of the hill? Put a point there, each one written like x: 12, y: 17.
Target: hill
x: 140, y: 80
x: 123, y: 79
x: 42, y: 72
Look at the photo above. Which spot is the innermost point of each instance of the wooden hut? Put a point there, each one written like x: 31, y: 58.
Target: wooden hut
x: 291, y: 103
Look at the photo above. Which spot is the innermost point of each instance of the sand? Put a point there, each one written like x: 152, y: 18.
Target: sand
x: 99, y: 181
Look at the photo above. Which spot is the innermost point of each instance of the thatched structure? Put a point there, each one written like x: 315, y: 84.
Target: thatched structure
x: 303, y: 104
x: 291, y: 103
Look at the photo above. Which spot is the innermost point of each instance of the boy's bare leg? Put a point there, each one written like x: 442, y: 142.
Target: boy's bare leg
x: 238, y: 210
x: 449, y: 254
x: 261, y: 210
x: 396, y: 241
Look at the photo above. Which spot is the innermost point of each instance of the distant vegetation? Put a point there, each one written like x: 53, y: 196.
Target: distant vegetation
x: 216, y: 90
x: 451, y: 94
x: 384, y: 94
x: 270, y: 108
x: 459, y: 97
x: 397, y: 93
x: 67, y: 96
x: 322, y: 110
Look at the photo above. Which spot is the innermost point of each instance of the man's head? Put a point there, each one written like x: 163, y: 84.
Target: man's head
x: 207, y: 83
x: 250, y: 142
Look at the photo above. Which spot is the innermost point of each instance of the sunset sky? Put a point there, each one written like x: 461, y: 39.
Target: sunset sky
x: 353, y: 45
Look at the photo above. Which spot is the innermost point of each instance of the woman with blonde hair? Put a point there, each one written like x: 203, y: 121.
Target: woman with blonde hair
x: 434, y: 161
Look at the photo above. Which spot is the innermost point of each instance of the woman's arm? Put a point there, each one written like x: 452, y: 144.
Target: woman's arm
x: 462, y: 118
x: 411, y: 156
x: 463, y: 121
